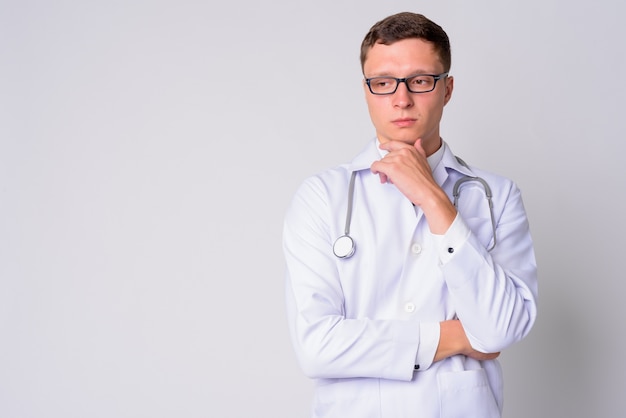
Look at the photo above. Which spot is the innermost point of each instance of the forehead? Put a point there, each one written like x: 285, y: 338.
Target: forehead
x: 401, y: 58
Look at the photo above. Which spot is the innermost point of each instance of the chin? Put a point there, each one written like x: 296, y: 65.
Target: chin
x: 400, y: 136
x: 407, y: 138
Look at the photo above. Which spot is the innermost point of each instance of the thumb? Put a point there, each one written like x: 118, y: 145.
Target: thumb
x: 418, y: 146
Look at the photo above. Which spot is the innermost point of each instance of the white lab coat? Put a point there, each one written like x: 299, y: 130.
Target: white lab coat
x: 359, y: 325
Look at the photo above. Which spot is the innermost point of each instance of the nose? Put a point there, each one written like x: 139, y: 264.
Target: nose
x: 403, y: 98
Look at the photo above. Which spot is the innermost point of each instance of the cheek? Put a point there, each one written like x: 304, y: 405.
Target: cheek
x: 375, y: 107
x: 435, y: 106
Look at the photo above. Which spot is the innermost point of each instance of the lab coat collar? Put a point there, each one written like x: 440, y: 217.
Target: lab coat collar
x: 365, y: 159
x: 450, y: 162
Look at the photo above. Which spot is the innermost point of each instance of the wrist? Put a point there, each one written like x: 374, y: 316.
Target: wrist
x: 440, y: 213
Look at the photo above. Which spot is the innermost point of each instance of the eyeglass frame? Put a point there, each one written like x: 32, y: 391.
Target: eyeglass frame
x: 405, y: 80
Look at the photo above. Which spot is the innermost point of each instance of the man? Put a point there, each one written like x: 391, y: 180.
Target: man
x: 409, y: 321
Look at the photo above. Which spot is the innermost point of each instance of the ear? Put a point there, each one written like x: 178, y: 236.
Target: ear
x: 365, y: 87
x: 449, y: 87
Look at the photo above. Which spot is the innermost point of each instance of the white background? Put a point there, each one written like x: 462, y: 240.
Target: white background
x: 148, y: 150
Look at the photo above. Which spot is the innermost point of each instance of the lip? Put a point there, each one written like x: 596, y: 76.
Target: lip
x: 404, y: 122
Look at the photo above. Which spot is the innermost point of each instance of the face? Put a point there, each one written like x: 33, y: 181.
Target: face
x: 405, y: 116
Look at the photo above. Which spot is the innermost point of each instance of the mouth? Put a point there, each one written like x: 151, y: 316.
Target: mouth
x: 404, y: 122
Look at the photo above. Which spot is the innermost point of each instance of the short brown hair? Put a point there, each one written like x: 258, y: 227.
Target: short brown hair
x: 407, y: 25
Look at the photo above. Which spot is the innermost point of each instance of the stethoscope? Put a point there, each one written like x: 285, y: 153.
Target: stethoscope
x: 345, y: 246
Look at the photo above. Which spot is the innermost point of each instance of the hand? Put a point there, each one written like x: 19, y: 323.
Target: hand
x: 406, y: 167
x: 453, y: 341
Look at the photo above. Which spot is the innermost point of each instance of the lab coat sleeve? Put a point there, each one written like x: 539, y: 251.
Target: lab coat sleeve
x: 494, y: 293
x: 327, y: 344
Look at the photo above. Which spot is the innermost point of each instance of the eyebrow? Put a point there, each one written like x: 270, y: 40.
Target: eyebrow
x: 411, y: 74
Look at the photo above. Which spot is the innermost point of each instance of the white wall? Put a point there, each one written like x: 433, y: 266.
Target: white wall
x: 148, y: 150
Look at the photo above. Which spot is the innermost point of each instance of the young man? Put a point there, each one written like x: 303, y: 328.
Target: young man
x: 405, y: 315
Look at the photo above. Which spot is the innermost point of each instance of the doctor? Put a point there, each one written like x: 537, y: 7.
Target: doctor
x: 411, y: 323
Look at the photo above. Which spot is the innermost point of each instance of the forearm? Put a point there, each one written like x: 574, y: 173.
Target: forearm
x: 497, y: 308
x: 494, y: 292
x: 330, y: 346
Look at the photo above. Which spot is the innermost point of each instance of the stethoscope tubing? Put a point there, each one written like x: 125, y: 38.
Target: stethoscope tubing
x: 344, y: 246
x: 456, y: 191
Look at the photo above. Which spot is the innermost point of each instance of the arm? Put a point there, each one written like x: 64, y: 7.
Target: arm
x: 494, y: 293
x: 327, y: 343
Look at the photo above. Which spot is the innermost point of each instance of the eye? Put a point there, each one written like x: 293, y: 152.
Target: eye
x: 382, y: 82
x: 421, y: 80
x: 382, y: 85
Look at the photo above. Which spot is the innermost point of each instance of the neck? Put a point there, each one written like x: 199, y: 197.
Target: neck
x: 431, y: 147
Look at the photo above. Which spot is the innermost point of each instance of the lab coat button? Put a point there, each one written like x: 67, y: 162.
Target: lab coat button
x: 409, y: 307
x: 416, y: 248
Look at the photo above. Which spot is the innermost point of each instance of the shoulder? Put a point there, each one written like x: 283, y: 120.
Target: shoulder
x: 335, y: 180
x: 324, y: 184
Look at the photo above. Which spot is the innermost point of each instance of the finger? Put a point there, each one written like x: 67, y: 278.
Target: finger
x: 418, y: 146
x: 383, y: 177
x: 393, y: 146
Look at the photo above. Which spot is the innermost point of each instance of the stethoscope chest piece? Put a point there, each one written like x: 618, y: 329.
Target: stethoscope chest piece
x: 344, y: 246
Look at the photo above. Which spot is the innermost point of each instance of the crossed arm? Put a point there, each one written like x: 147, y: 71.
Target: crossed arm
x: 326, y: 341
x: 407, y: 168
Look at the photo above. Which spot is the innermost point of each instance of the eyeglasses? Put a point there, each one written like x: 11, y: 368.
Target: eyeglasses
x: 420, y: 83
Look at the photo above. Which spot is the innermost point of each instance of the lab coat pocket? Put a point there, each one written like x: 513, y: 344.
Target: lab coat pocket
x: 466, y: 394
